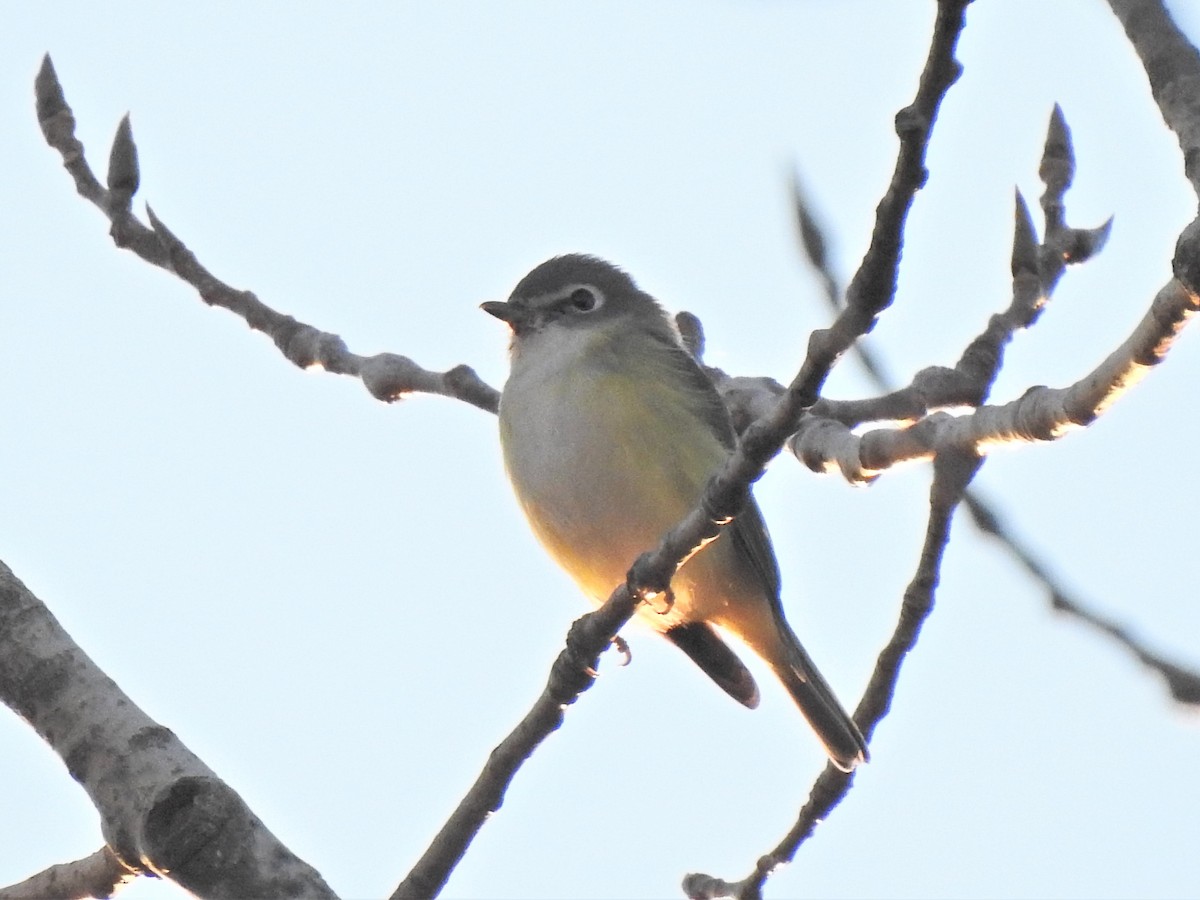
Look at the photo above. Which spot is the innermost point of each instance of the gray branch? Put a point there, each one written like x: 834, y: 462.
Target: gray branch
x: 100, y: 874
x: 161, y: 809
x: 387, y: 376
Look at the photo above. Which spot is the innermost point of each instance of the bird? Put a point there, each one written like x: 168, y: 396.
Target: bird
x: 610, y: 430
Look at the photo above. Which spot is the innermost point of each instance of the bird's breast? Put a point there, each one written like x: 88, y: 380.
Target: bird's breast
x: 604, y: 460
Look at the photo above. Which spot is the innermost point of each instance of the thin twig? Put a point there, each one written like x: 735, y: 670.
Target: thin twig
x: 1182, y: 683
x: 953, y: 471
x: 933, y: 388
x: 387, y: 376
x: 101, y: 874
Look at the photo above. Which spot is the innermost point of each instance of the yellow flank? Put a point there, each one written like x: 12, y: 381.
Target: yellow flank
x: 590, y: 418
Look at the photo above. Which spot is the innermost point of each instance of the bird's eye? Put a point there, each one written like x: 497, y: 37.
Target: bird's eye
x: 584, y: 300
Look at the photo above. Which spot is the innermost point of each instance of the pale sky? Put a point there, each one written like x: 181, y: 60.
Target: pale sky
x: 337, y: 603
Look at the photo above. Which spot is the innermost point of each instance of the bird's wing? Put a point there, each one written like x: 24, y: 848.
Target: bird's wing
x: 748, y: 531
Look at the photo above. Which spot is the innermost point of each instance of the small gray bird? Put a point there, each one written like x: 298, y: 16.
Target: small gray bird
x: 610, y: 431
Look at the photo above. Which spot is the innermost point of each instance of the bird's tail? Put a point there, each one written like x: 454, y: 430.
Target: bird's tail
x: 842, y: 739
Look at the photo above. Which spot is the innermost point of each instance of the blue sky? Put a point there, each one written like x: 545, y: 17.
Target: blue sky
x: 337, y: 604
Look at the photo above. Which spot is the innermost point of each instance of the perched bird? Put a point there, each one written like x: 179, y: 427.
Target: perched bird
x: 610, y: 431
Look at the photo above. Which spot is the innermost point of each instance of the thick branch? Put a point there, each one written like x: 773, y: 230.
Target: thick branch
x: 161, y: 809
x: 1172, y: 67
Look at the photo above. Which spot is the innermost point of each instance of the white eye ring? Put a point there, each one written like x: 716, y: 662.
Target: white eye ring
x: 584, y: 300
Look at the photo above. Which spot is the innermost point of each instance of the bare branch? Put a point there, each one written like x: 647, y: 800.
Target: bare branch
x: 123, y: 175
x: 1036, y: 270
x: 873, y: 286
x: 1041, y: 414
x: 101, y: 874
x: 1172, y: 67
x: 813, y: 242
x: 571, y: 674
x: 1183, y: 684
x: 952, y: 472
x: 58, y: 127
x: 161, y: 809
x: 1063, y: 245
x: 387, y: 376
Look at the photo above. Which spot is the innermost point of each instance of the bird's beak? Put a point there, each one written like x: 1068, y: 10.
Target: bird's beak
x: 516, y: 315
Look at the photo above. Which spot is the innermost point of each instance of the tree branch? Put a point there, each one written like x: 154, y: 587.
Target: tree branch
x: 1040, y: 414
x: 101, y: 874
x: 387, y: 376
x: 1172, y: 67
x: 953, y: 470
x: 161, y: 809
x: 1182, y: 683
x: 873, y: 287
